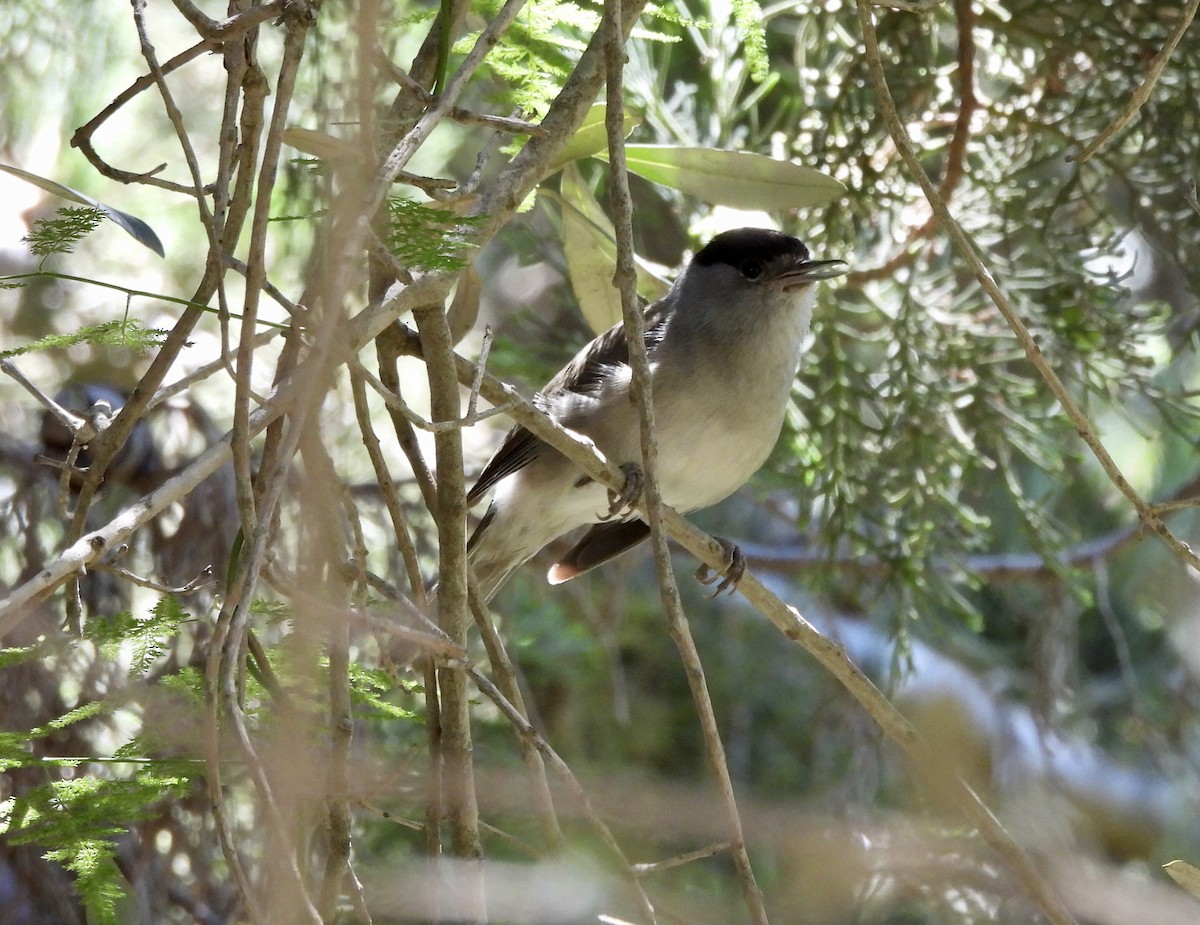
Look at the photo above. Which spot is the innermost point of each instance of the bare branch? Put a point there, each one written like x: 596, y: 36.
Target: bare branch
x: 625, y: 279
x: 1142, y: 93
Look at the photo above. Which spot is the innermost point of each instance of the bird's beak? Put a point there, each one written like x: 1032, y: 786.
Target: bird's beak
x: 810, y: 271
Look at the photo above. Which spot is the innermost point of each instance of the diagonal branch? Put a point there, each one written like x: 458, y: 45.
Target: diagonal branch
x: 966, y: 249
x: 788, y: 620
x: 1142, y: 93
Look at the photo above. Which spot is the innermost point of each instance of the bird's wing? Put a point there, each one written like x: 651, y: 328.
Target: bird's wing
x: 585, y: 375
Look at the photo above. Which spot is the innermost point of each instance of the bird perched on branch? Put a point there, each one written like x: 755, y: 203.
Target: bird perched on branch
x: 724, y: 345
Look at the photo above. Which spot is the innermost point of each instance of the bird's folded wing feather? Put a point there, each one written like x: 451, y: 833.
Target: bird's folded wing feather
x: 586, y: 374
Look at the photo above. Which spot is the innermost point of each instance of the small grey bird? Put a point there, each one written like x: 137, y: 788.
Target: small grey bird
x: 724, y: 345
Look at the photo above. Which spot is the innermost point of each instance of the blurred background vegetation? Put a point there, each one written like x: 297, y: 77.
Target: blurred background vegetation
x: 929, y: 505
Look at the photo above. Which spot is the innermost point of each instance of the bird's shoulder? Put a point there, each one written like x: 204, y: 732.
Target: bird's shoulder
x: 586, y: 375
x: 594, y: 365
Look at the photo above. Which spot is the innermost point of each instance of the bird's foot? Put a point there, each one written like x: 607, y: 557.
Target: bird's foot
x: 735, y: 568
x: 620, y: 503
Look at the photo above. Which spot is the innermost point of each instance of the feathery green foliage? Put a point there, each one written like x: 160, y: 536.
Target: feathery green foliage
x: 747, y: 16
x: 147, y: 639
x: 125, y: 332
x: 60, y: 234
x: 76, y: 819
x: 425, y: 237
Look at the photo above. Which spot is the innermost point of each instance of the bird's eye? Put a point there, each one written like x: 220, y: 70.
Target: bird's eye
x: 752, y: 269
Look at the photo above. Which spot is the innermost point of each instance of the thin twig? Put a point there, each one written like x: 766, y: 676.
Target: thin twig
x: 989, y: 827
x: 415, y: 137
x: 515, y: 717
x: 1189, y: 196
x: 387, y: 350
x: 167, y: 392
x: 962, y: 243
x: 256, y: 266
x: 394, y: 401
x: 463, y: 116
x: 79, y: 426
x: 506, y: 679
x: 485, y: 348
x: 625, y: 279
x: 204, y: 580
x: 222, y: 30
x: 82, y: 139
x: 404, y: 543
x: 1142, y: 93
x: 679, y: 860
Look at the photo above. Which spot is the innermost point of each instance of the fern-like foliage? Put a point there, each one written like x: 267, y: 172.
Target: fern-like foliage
x: 60, y: 233
x: 425, y: 237
x: 536, y: 54
x: 748, y: 18
x: 148, y: 638
x: 76, y: 820
x: 123, y: 332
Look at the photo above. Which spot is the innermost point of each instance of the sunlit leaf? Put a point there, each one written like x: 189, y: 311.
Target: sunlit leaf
x: 1186, y: 875
x: 590, y: 246
x: 138, y: 229
x: 732, y: 178
x: 590, y: 252
x: 591, y: 137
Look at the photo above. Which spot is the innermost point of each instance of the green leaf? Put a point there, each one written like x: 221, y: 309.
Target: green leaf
x: 732, y: 178
x: 591, y: 138
x: 138, y: 229
x: 590, y: 252
x: 589, y: 244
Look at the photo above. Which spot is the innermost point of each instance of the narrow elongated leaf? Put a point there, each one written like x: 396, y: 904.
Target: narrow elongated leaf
x: 732, y: 178
x: 137, y: 229
x: 591, y: 137
x: 326, y: 147
x: 590, y: 253
x: 590, y: 246
x: 464, y: 309
x: 1186, y: 875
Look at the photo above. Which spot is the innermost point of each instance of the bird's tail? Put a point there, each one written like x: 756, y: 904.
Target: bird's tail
x: 490, y: 577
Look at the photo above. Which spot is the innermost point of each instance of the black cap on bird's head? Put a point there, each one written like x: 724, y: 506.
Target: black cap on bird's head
x: 762, y: 254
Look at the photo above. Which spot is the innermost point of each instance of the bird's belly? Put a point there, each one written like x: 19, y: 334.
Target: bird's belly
x: 711, y: 458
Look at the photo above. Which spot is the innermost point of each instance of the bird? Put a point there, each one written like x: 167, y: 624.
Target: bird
x: 724, y: 346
